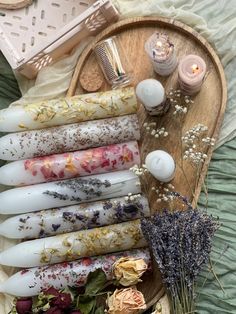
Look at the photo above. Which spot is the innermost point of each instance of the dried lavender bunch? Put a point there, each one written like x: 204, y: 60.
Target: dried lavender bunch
x: 181, y: 242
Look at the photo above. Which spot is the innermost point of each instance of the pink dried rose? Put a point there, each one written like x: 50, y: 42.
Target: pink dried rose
x: 24, y: 305
x: 54, y: 310
x: 128, y: 301
x: 62, y: 301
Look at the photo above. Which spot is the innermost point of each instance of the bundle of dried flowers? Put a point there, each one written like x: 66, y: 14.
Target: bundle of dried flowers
x: 181, y: 242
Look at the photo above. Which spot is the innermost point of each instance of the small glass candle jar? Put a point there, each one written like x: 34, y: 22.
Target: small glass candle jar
x: 191, y: 73
x: 152, y: 95
x: 113, y: 62
x: 161, y: 53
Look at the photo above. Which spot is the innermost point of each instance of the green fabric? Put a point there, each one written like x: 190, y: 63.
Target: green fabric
x: 221, y: 200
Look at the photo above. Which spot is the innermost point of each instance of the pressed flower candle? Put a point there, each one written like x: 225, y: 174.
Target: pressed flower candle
x: 161, y: 53
x: 69, y: 165
x: 191, y: 71
x: 68, y: 138
x: 68, y: 110
x: 73, y: 218
x: 31, y: 281
x: 71, y: 246
x: 68, y: 192
x: 161, y: 165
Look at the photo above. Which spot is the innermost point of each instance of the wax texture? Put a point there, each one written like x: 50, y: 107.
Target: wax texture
x: 68, y: 192
x: 73, y: 218
x: 71, y: 246
x: 68, y: 110
x: 69, y: 165
x: 71, y: 137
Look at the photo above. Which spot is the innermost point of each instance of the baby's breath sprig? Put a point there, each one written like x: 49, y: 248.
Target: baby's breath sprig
x: 164, y: 192
x: 179, y: 101
x: 151, y: 128
x: 139, y: 171
x: 132, y: 197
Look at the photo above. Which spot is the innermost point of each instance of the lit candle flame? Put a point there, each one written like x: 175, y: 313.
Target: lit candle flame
x: 195, y: 68
x: 159, y: 44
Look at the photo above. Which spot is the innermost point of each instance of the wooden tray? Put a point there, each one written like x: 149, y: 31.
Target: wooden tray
x: 208, y: 108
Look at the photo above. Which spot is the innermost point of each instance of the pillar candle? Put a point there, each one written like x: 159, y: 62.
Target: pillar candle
x: 151, y: 94
x: 32, y: 281
x: 161, y: 53
x: 68, y: 110
x: 191, y: 70
x: 71, y: 246
x: 74, y: 218
x: 161, y: 165
x: 69, y: 165
x: 68, y: 138
x: 68, y: 192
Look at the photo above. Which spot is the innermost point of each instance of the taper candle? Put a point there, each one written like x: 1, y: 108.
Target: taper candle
x: 69, y: 165
x: 32, y: 281
x: 151, y: 94
x: 68, y: 192
x: 161, y: 165
x: 68, y: 110
x: 191, y: 70
x: 71, y: 246
x: 161, y: 53
x: 68, y: 138
x: 74, y: 218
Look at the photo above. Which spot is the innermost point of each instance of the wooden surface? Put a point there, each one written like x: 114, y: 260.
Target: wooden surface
x: 208, y: 108
x: 14, y: 4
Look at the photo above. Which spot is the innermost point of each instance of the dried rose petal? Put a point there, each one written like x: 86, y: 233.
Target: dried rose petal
x: 54, y: 310
x: 51, y: 291
x: 24, y: 305
x: 62, y: 301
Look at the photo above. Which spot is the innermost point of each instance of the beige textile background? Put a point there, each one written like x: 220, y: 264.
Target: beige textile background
x: 214, y: 19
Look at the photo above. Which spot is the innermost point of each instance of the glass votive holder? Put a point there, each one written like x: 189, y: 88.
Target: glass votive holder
x: 114, y: 62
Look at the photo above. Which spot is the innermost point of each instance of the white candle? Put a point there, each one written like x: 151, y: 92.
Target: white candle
x: 74, y: 218
x: 68, y: 192
x: 68, y: 110
x: 69, y: 165
x: 161, y: 165
x: 68, y: 138
x: 32, y: 281
x: 151, y: 94
x: 71, y: 246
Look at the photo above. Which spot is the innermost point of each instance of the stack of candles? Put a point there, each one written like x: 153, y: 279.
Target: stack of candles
x: 72, y: 203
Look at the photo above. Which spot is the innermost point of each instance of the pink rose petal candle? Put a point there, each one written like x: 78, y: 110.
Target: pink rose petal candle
x: 191, y: 72
x: 161, y: 53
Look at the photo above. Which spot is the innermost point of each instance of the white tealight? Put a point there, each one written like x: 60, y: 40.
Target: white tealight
x: 151, y: 94
x: 161, y: 165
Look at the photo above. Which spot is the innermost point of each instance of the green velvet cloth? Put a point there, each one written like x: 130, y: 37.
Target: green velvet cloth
x: 221, y: 202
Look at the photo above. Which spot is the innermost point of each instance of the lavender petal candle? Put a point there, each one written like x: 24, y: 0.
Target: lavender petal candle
x: 68, y: 192
x: 75, y: 245
x: 68, y: 138
x: 69, y: 165
x: 32, y: 281
x: 191, y: 73
x: 161, y: 53
x: 74, y: 218
x: 68, y: 110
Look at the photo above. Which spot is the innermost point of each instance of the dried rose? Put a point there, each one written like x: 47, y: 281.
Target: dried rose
x: 75, y: 312
x: 51, y: 291
x: 24, y: 305
x: 128, y: 301
x: 128, y: 270
x: 54, y: 310
x: 62, y: 301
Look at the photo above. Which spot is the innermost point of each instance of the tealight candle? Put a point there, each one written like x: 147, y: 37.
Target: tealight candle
x: 72, y: 246
x: 151, y: 94
x: 74, y: 218
x: 68, y: 138
x: 68, y: 192
x: 69, y: 165
x: 68, y: 110
x: 191, y: 71
x: 161, y: 53
x: 161, y: 165
x: 28, y: 282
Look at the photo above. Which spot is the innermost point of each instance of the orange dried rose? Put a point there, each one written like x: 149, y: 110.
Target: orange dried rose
x: 126, y: 301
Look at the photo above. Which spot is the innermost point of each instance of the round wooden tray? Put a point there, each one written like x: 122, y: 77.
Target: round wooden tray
x: 208, y: 108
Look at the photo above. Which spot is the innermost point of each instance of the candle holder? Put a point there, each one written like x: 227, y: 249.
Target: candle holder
x: 161, y: 53
x: 113, y: 62
x: 152, y: 95
x: 191, y: 73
